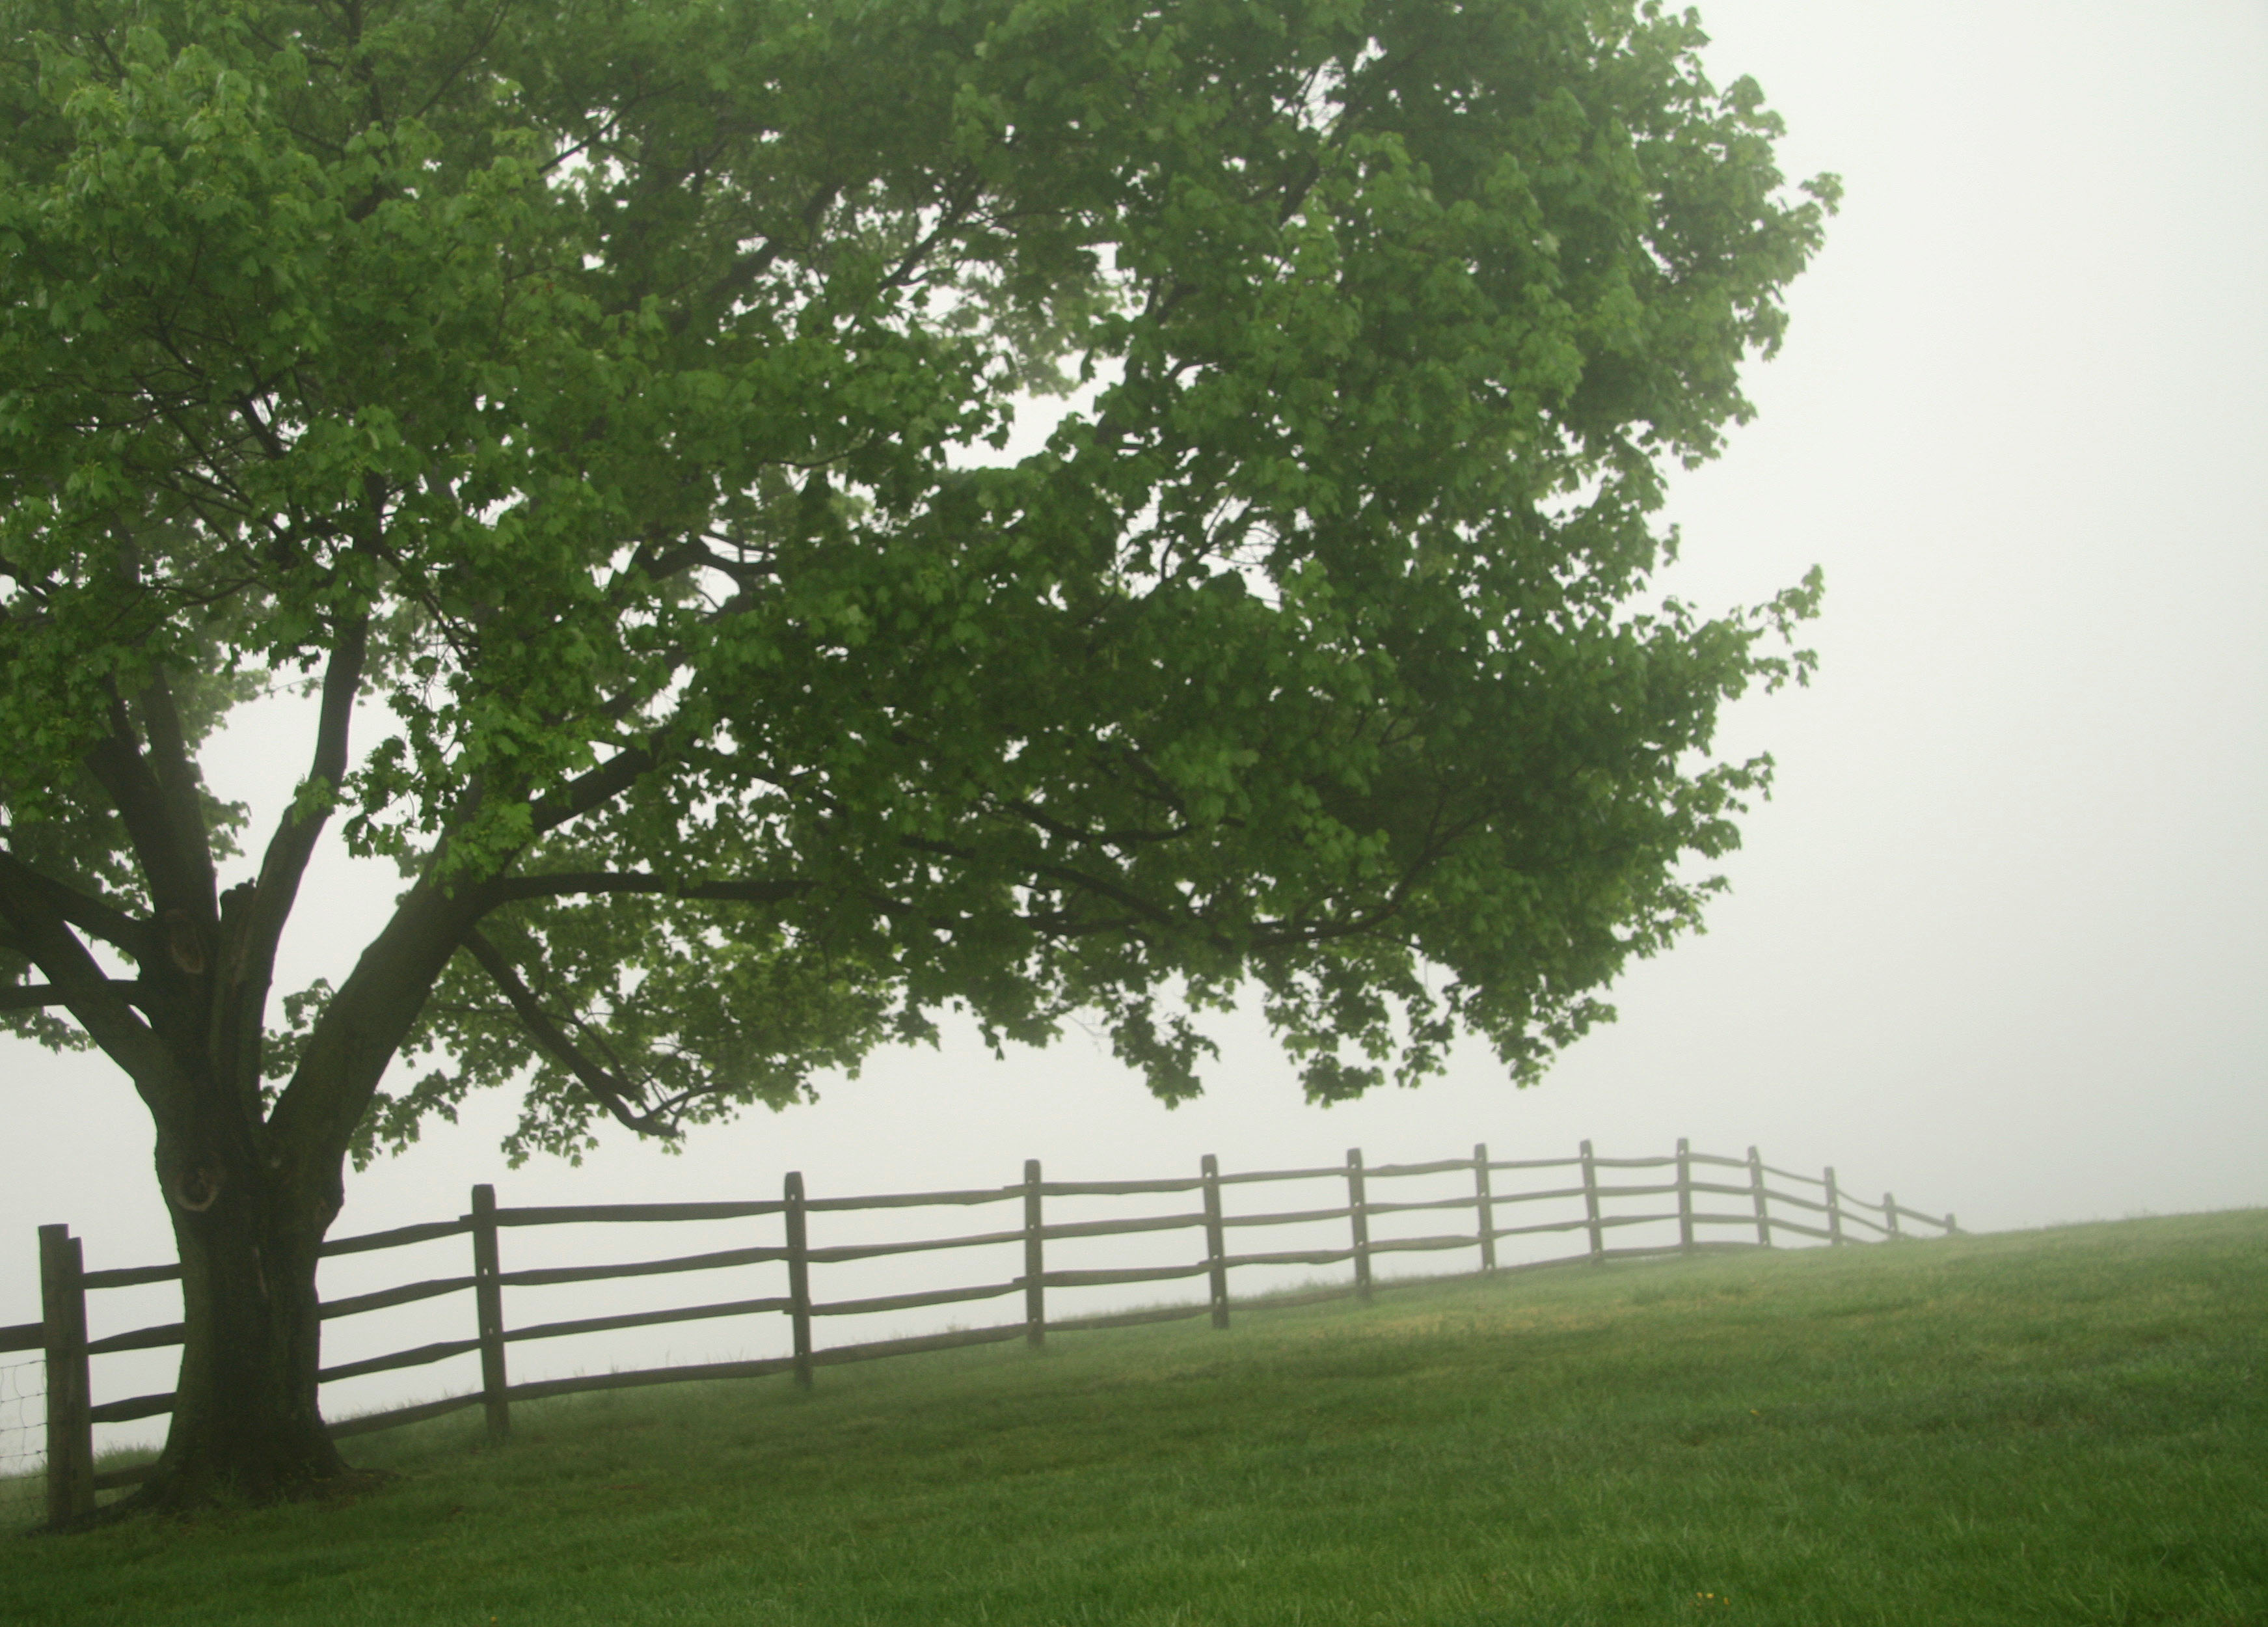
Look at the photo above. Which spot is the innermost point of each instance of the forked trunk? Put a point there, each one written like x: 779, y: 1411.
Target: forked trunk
x: 252, y: 1193
x: 246, y: 1421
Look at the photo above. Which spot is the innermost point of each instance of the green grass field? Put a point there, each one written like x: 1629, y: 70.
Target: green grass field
x: 2066, y: 1426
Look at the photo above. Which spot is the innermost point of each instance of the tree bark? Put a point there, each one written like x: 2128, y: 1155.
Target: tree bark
x: 252, y: 1198
x: 251, y: 1195
x: 246, y: 1426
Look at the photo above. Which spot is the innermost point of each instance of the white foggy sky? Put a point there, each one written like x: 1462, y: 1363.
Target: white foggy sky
x: 2000, y: 940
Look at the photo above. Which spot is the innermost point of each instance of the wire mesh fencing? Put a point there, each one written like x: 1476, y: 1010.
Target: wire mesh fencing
x: 23, y: 1417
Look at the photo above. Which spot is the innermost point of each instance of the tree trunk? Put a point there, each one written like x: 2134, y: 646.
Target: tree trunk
x: 246, y: 1421
x: 252, y: 1194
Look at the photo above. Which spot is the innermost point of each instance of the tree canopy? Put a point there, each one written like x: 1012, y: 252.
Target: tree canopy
x: 599, y: 410
x: 609, y: 394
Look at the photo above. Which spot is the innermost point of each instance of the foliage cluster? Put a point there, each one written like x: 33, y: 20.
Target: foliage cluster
x: 607, y: 402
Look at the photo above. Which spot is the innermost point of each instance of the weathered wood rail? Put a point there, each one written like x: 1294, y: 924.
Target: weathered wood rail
x: 72, y: 1412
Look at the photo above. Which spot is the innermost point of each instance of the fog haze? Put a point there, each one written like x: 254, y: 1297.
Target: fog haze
x: 1998, y: 940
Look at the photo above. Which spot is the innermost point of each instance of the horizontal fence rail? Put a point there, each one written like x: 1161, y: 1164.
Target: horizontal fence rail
x: 1747, y: 1202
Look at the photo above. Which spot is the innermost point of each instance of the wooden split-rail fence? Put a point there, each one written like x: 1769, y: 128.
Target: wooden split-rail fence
x: 72, y: 1412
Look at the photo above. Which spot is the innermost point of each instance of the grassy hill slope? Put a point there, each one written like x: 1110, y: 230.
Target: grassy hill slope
x: 2067, y: 1426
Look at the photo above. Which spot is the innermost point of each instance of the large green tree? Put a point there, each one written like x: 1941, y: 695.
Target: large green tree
x: 598, y: 408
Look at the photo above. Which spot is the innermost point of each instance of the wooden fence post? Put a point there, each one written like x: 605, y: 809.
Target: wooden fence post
x: 1215, y: 1243
x: 1756, y: 1193
x: 1834, y: 1209
x: 1949, y: 1227
x: 1891, y: 1212
x: 1035, y: 1304
x: 487, y: 1299
x: 798, y: 1276
x: 70, y: 1432
x: 1591, y: 1207
x: 1685, y: 1196
x: 1485, y: 1209
x: 1359, y: 1212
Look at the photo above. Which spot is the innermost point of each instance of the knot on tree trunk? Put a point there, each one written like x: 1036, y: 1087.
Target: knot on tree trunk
x: 197, y: 1190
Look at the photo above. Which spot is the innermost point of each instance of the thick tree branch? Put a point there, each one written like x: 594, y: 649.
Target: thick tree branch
x: 293, y: 844
x: 741, y: 275
x: 253, y: 917
x: 587, y: 791
x: 175, y: 772
x: 92, y: 916
x: 1125, y: 897
x: 566, y: 883
x: 1067, y: 831
x: 163, y: 853
x: 613, y: 1090
x: 1063, y: 925
x: 34, y: 997
x: 1263, y: 934
x: 965, y: 193
x: 362, y: 1027
x: 89, y: 992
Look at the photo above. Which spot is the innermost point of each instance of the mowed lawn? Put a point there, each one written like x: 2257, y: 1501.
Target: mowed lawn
x: 2065, y: 1426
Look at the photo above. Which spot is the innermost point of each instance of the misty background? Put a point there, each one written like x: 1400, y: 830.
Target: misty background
x: 1997, y: 942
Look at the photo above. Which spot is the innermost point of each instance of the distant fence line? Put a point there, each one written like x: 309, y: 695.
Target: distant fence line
x: 71, y: 1412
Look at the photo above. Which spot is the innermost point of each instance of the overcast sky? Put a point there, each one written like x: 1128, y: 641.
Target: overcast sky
x: 1999, y: 941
